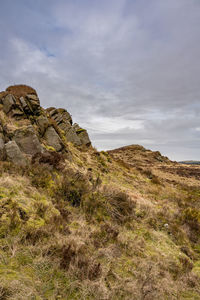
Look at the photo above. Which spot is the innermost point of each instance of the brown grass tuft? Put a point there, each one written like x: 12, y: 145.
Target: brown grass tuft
x: 20, y: 90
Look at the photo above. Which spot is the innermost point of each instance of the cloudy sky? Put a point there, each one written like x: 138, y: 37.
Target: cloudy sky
x: 127, y: 70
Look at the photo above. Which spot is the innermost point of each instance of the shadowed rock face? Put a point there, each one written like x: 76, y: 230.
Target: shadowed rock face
x: 27, y: 129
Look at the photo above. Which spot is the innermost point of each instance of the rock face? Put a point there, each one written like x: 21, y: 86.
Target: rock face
x: 82, y: 134
x: 43, y: 124
x: 2, y: 150
x: 27, y: 130
x: 53, y: 139
x: 14, y: 154
x: 27, y: 140
x: 8, y: 103
x: 72, y: 136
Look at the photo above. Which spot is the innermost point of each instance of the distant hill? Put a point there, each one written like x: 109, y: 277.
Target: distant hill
x: 190, y: 162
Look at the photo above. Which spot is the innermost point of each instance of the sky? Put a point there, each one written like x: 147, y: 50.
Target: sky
x: 127, y: 70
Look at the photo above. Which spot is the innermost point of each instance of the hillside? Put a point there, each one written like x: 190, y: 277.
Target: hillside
x: 76, y: 223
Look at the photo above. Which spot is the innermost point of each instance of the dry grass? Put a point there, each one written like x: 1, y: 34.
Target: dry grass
x: 20, y: 90
x: 81, y: 233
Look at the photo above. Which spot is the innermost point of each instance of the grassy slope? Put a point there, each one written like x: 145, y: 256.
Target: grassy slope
x: 100, y: 228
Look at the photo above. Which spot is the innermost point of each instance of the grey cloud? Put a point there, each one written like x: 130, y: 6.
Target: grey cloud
x: 111, y: 63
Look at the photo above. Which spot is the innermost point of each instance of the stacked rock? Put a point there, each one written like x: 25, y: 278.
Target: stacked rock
x: 26, y: 129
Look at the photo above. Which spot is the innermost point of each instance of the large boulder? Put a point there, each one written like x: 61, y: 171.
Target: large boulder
x: 53, y: 139
x: 26, y: 98
x: 27, y: 140
x: 72, y: 137
x: 20, y: 100
x: 8, y: 103
x: 14, y: 154
x: 82, y: 134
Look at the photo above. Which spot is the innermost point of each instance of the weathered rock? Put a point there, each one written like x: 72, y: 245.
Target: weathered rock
x: 60, y: 116
x: 23, y: 102
x: 26, y: 108
x: 82, y: 134
x: 2, y: 149
x: 14, y: 154
x: 8, y: 131
x: 65, y: 126
x: 72, y: 137
x: 16, y: 113
x: 42, y: 123
x: 84, y: 137
x: 65, y: 115
x: 8, y: 103
x: 53, y: 139
x: 74, y: 134
x: 33, y: 103
x: 30, y: 104
x: 27, y: 140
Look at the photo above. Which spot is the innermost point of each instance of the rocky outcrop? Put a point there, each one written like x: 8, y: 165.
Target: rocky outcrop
x: 27, y: 130
x: 20, y: 104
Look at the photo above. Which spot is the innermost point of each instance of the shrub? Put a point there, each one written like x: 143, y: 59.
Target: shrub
x: 191, y: 217
x: 119, y: 205
x: 71, y: 188
x: 50, y: 157
x: 40, y: 177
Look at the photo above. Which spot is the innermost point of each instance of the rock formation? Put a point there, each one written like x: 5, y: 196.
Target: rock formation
x: 26, y: 129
